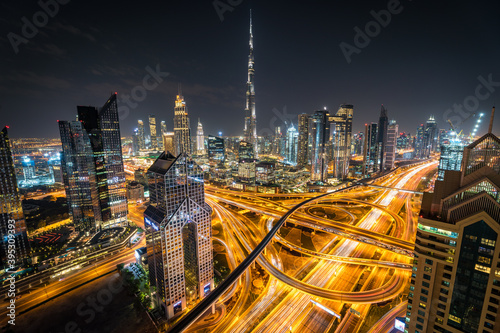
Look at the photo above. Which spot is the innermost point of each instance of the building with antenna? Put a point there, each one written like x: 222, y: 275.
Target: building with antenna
x: 250, y: 129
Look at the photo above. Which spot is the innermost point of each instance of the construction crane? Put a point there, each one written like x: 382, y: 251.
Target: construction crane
x: 455, y: 128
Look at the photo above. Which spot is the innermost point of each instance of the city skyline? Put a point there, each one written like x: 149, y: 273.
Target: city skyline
x: 215, y: 83
x: 339, y: 172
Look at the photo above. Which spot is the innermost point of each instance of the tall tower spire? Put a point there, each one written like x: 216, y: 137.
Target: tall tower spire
x: 250, y: 117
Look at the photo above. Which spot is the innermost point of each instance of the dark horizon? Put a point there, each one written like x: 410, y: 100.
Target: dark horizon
x: 429, y: 57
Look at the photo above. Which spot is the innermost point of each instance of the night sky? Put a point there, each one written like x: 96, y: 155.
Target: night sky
x: 427, y: 59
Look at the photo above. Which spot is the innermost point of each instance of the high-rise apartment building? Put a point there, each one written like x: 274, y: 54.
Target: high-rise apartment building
x: 94, y: 177
x: 303, y: 128
x: 152, y: 132
x: 179, y: 233
x: 391, y: 145
x: 182, y: 130
x: 319, y: 134
x: 455, y: 285
x: 341, y: 138
x: 370, y: 150
x: 11, y: 210
x: 292, y: 138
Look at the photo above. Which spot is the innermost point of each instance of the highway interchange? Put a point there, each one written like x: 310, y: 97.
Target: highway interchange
x: 362, y: 256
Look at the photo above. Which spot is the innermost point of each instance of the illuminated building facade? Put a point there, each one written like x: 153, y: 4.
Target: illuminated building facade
x: 152, y: 132
x: 292, y: 138
x: 200, y: 139
x: 10, y: 206
x: 216, y: 149
x: 390, y: 145
x: 302, y: 156
x: 169, y: 142
x: 246, y: 172
x: 370, y: 150
x: 140, y: 135
x: 245, y: 151
x: 430, y: 137
x: 382, y: 138
x: 452, y: 149
x: 250, y: 129
x: 455, y: 285
x: 357, y: 143
x: 94, y: 177
x: 265, y: 173
x: 163, y: 127
x: 319, y: 135
x: 420, y: 142
x: 179, y: 233
x: 341, y: 127
x: 182, y: 130
x: 28, y: 169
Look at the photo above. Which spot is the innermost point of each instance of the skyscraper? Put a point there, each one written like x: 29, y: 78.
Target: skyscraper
x: 319, y: 133
x: 200, y: 139
x: 135, y: 142
x: 292, y: 138
x: 163, y: 125
x: 302, y: 140
x: 182, y: 129
x: 216, y: 149
x: 430, y: 137
x: 94, y: 177
x: 250, y: 116
x: 452, y: 148
x: 179, y: 233
x: 357, y: 143
x: 152, y: 132
x: 420, y: 142
x: 370, y: 149
x: 391, y: 145
x: 140, y: 135
x: 11, y: 210
x: 455, y: 285
x: 341, y: 127
x: 245, y: 151
x: 163, y: 130
x: 382, y: 137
